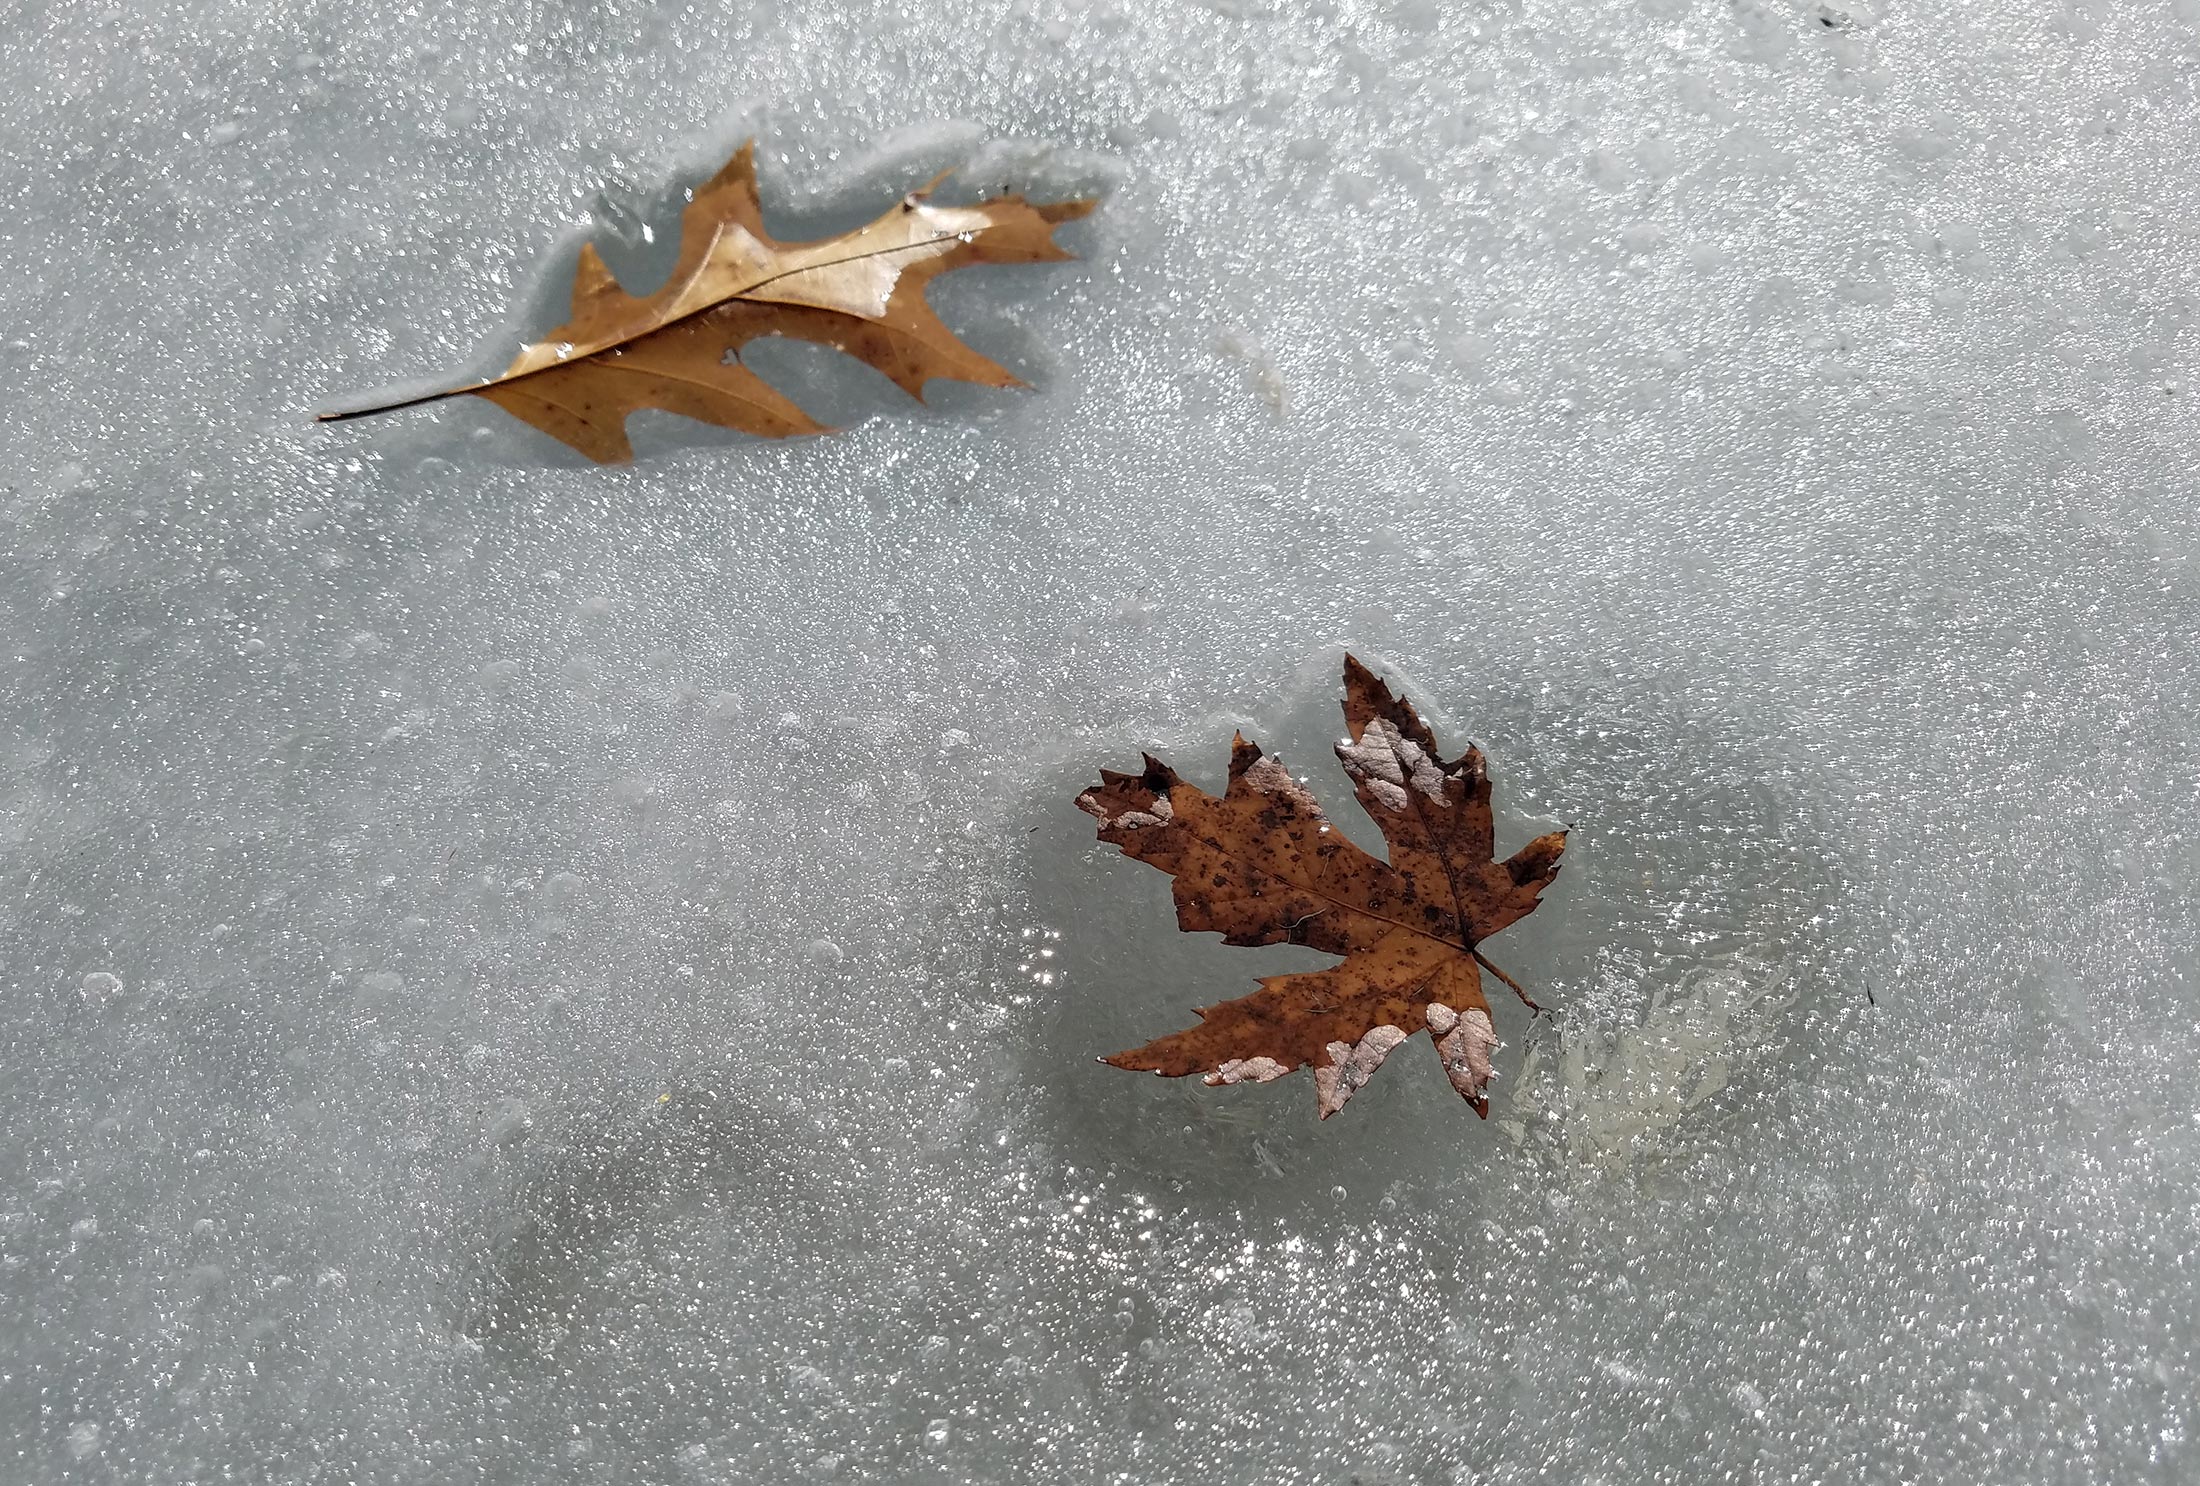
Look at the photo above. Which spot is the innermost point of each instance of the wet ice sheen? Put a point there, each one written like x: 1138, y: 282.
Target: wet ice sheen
x: 1762, y: 426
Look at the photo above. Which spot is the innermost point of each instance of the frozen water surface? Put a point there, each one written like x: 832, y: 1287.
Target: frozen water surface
x: 518, y: 972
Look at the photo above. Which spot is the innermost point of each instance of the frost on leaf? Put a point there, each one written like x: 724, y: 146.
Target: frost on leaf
x: 1465, y: 1044
x: 679, y: 349
x: 1350, y: 1067
x: 1260, y: 864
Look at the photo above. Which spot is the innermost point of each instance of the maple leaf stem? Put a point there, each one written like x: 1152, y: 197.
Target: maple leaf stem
x: 1483, y: 960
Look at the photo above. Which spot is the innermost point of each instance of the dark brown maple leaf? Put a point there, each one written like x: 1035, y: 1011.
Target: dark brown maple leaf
x: 1263, y: 865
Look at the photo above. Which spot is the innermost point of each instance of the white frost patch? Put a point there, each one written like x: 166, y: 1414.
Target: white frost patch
x: 863, y: 286
x: 1160, y: 813
x: 1367, y: 760
x: 1351, y: 1067
x: 1386, y: 794
x: 1270, y: 777
x: 1426, y: 776
x: 1385, y: 761
x: 1140, y: 819
x: 1247, y: 1071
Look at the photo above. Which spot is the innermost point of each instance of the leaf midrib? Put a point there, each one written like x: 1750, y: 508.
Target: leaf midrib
x: 743, y: 292
x: 1443, y: 858
x: 1232, y: 855
x: 582, y: 358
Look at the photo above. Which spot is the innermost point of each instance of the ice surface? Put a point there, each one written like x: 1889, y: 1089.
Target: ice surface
x: 518, y: 972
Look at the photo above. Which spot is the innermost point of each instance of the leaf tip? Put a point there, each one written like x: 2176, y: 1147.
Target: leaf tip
x: 1058, y: 212
x: 1244, y: 753
x: 1158, y: 776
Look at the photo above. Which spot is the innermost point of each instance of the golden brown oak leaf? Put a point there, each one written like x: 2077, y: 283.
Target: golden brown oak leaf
x: 679, y: 348
x: 1263, y: 865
